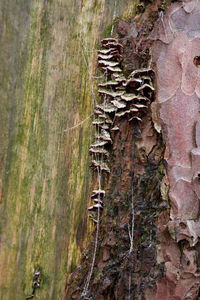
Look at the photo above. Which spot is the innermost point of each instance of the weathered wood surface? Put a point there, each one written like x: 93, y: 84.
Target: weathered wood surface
x: 47, y: 60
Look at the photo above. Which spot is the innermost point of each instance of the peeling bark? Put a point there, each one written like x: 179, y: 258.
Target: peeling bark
x: 177, y: 44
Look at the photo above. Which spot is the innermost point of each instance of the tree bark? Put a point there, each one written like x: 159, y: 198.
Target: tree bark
x: 148, y: 238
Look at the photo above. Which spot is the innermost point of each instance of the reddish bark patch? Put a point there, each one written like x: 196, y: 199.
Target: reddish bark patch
x: 176, y: 57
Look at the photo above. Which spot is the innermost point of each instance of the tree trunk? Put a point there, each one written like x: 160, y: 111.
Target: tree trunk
x: 145, y: 242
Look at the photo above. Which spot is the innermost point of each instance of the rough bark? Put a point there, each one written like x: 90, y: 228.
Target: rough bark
x: 160, y: 177
x: 176, y: 52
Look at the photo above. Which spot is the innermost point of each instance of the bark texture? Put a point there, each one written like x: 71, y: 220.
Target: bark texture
x: 176, y: 52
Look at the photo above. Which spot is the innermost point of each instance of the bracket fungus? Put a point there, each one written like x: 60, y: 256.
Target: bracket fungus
x: 100, y: 165
x: 96, y: 193
x: 95, y: 207
x: 121, y: 97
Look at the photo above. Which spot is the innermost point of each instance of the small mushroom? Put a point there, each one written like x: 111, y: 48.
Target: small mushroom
x: 113, y: 45
x: 108, y: 121
x: 101, y: 165
x: 36, y: 285
x: 118, y: 104
x: 141, y: 71
x: 110, y: 93
x: 133, y: 82
x: 98, y: 121
x: 105, y: 56
x: 103, y: 138
x: 95, y: 207
x: 99, y: 150
x: 114, y: 69
x: 122, y: 113
x: 105, y: 126
x: 134, y: 109
x: 113, y: 55
x: 99, y: 192
x: 135, y: 118
x: 108, y: 40
x: 120, y: 88
x: 115, y: 128
x: 115, y: 75
x: 105, y: 51
x: 146, y: 86
x: 109, y: 83
x: 120, y: 79
x: 106, y: 63
x: 108, y: 108
x: 129, y: 97
x: 99, y: 144
x: 36, y: 275
x: 97, y: 112
x: 140, y: 105
x: 142, y: 98
x: 96, y: 200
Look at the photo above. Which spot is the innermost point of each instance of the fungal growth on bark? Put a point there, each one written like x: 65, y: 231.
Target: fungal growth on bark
x: 35, y: 283
x: 122, y: 98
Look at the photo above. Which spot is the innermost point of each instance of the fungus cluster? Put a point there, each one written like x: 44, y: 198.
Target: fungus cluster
x: 35, y: 283
x: 122, y: 98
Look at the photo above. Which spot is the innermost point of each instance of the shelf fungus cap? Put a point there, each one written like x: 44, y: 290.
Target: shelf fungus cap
x: 104, y: 138
x: 110, y: 93
x: 105, y: 56
x: 118, y: 104
x: 108, y: 40
x: 114, y: 69
x: 122, y: 113
x: 105, y: 51
x: 97, y: 112
x: 96, y: 200
x: 99, y: 144
x: 97, y: 192
x: 146, y: 86
x: 98, y: 121
x: 95, y: 207
x: 37, y: 273
x: 120, y: 79
x: 105, y: 126
x: 108, y: 83
x: 99, y: 150
x: 135, y: 118
x: 101, y: 165
x: 133, y: 82
x: 138, y: 72
x: 140, y: 106
x: 115, y: 128
x: 134, y: 109
x: 109, y: 108
x: 107, y: 63
x: 129, y: 97
x: 113, y: 45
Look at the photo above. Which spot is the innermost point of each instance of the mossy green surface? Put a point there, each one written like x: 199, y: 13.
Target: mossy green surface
x: 46, y: 78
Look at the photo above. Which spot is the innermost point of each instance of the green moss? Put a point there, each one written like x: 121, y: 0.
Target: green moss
x: 47, y: 183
